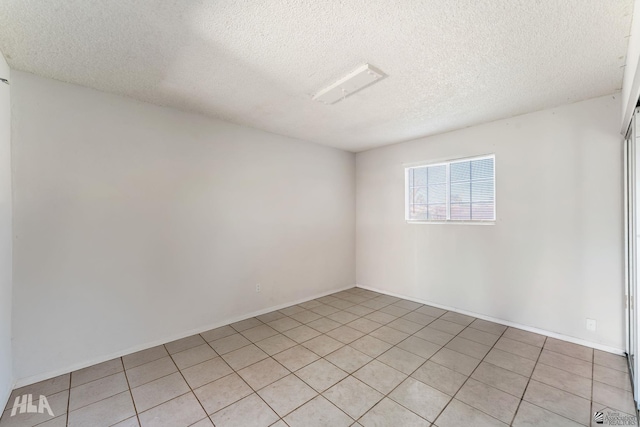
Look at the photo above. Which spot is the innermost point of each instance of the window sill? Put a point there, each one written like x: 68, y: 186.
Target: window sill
x: 452, y: 222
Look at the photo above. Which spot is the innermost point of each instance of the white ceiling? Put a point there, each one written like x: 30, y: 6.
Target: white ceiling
x: 451, y: 64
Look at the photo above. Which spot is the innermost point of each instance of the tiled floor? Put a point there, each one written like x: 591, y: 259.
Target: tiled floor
x: 353, y: 358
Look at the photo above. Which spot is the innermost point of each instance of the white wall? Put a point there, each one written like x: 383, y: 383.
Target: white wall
x: 554, y: 256
x: 136, y: 223
x: 6, y: 375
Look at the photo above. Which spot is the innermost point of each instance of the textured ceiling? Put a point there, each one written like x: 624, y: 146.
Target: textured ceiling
x: 450, y: 64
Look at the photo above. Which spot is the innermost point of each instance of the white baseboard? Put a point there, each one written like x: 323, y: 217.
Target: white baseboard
x: 574, y: 340
x: 47, y: 375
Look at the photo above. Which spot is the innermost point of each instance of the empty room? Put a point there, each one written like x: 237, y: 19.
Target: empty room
x: 319, y: 213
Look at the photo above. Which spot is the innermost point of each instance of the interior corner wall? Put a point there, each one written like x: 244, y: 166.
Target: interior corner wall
x: 6, y: 368
x: 555, y: 254
x: 136, y: 223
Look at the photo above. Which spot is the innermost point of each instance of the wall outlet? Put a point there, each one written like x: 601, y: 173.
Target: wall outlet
x: 258, y: 287
x: 591, y: 325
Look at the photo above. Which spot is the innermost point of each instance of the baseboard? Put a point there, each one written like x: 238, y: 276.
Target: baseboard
x: 47, y: 375
x: 568, y: 338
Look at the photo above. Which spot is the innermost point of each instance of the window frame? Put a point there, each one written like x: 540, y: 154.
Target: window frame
x: 448, y: 164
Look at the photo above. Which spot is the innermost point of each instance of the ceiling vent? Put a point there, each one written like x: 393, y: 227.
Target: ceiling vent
x: 360, y: 78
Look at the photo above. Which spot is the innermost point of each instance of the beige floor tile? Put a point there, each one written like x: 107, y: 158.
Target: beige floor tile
x: 380, y: 376
x: 458, y: 414
x: 420, y: 319
x: 353, y: 396
x: 96, y: 372
x: 609, y: 360
x: 301, y: 333
x: 322, y: 345
x: 348, y: 359
x: 501, y: 378
x: 244, y: 357
x: 218, y: 333
x: 58, y: 403
x: 345, y: 334
x: 129, y: 422
x: 159, y: 391
x: 193, y: 356
x: 560, y: 402
x: 370, y: 346
x: 270, y: 317
x: 389, y: 335
x: 246, y: 324
x: 419, y: 347
x: 489, y: 400
x: 569, y: 349
x: 435, y: 336
x: 394, y: 311
x: 94, y: 391
x: 342, y: 317
x: 103, y: 413
x: 251, y: 411
x: 618, y: 417
x: 460, y: 319
x: 305, y: 316
x: 296, y: 357
x: 533, y: 416
x: 409, y: 305
x: 519, y: 348
x: 229, y: 343
x: 205, y: 422
x: 405, y: 326
x: 401, y: 360
x: 446, y: 326
x: 341, y: 304
x: 184, y: 344
x: 276, y: 344
x: 292, y: 310
x: 468, y: 347
x: 364, y: 325
x: 563, y: 380
x: 486, y: 326
x: 431, y: 311
x: 325, y: 310
x: 310, y: 304
x: 457, y: 361
x: 612, y: 377
x: 150, y: 371
x: 321, y: 375
x: 359, y: 310
x: 388, y: 413
x: 380, y: 317
x: 324, y: 325
x: 479, y: 336
x: 613, y: 397
x: 182, y: 411
x: 144, y: 356
x: 221, y: 393
x: 525, y: 337
x: 440, y: 377
x: 263, y: 373
x: 284, y: 324
x: 375, y: 304
x: 259, y: 333
x: 45, y: 388
x: 422, y: 399
x: 287, y: 394
x: 206, y: 372
x: 318, y: 412
x: 510, y: 361
x: 566, y: 363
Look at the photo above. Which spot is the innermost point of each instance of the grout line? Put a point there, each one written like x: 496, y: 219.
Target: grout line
x: 529, y: 381
x: 130, y: 392
x: 68, y: 400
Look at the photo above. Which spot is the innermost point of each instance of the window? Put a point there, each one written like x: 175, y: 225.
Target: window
x: 459, y: 190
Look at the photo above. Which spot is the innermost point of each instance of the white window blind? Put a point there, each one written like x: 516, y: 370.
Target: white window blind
x: 459, y: 190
